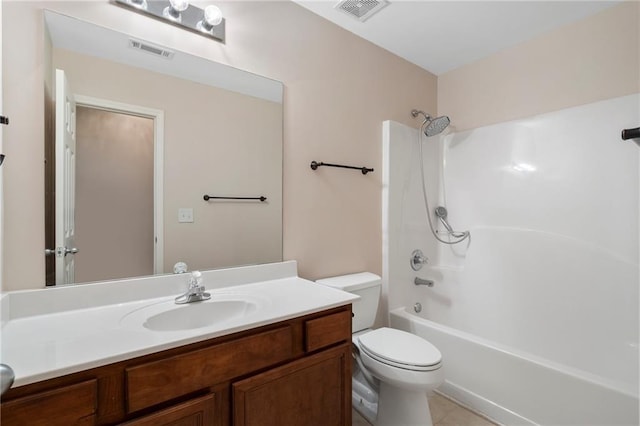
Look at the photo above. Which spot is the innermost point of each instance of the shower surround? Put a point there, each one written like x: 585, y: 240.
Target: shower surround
x: 537, y: 317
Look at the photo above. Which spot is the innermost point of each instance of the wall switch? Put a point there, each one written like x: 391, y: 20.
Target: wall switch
x: 185, y: 215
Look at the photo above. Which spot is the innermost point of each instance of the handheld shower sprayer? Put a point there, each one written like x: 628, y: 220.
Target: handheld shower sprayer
x: 441, y: 213
x: 431, y: 127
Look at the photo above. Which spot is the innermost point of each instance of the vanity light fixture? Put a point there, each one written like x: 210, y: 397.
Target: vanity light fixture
x: 208, y: 22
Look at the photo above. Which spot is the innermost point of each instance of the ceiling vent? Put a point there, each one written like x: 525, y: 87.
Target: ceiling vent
x: 361, y: 9
x: 150, y: 48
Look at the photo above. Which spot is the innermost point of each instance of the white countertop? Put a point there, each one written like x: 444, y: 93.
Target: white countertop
x: 68, y: 331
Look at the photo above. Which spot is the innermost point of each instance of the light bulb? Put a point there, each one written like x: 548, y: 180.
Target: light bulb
x: 212, y: 15
x: 140, y: 4
x: 174, y: 10
x: 179, y: 5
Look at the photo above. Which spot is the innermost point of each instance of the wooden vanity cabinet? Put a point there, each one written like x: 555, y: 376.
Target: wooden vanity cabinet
x: 292, y: 373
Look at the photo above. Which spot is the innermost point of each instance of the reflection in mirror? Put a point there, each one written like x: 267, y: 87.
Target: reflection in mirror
x: 153, y: 131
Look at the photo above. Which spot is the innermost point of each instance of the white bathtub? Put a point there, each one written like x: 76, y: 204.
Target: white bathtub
x: 516, y: 388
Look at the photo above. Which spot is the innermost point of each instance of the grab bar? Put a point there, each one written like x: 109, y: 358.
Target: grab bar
x: 630, y: 134
x: 211, y: 197
x: 364, y: 170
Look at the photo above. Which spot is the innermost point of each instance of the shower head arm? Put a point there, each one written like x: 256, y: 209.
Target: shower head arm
x: 415, y: 113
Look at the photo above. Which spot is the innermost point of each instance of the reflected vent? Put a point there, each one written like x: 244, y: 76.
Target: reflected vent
x: 150, y: 48
x: 361, y: 9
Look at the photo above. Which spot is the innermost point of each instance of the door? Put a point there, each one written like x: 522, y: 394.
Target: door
x: 1, y: 172
x: 65, y: 180
x: 115, y: 153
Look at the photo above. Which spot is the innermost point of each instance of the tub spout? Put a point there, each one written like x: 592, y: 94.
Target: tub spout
x: 420, y: 281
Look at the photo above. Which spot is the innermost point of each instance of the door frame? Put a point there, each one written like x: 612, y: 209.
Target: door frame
x: 158, y: 163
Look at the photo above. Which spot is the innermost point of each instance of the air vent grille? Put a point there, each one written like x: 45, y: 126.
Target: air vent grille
x: 361, y: 9
x: 150, y: 48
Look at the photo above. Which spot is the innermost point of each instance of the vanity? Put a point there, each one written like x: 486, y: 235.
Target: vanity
x: 268, y: 348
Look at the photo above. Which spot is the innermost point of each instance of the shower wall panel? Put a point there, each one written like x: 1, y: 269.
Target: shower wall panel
x: 552, y: 203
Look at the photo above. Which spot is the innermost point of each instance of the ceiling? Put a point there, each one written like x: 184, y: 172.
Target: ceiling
x: 443, y: 35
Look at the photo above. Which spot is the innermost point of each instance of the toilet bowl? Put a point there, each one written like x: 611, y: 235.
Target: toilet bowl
x: 393, y: 369
x: 399, y: 358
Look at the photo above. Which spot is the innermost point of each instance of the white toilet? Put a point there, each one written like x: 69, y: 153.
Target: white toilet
x: 393, y: 369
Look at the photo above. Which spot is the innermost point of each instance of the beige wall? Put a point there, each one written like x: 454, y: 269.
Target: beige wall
x: 114, y: 195
x: 594, y: 59
x: 338, y: 90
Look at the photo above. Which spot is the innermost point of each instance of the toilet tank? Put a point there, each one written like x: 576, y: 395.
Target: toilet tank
x: 367, y: 286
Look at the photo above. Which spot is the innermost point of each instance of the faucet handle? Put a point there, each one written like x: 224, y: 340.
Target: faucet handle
x: 195, y: 281
x: 196, y: 291
x: 418, y: 259
x: 180, y: 268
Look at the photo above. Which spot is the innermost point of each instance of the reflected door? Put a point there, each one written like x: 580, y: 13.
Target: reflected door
x: 65, y: 180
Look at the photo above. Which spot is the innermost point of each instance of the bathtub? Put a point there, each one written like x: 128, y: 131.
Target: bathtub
x: 516, y: 388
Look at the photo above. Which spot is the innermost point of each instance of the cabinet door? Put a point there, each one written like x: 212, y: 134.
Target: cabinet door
x: 313, y: 391
x: 196, y: 412
x: 66, y: 406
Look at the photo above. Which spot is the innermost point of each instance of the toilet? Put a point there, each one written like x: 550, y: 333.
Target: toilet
x: 393, y: 369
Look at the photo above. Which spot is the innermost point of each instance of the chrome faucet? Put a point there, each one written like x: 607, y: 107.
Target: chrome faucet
x: 196, y: 292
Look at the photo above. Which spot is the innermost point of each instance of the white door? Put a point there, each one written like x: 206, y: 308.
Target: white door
x: 65, y: 180
x: 1, y: 170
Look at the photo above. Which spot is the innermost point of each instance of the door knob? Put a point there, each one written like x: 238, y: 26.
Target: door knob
x: 60, y: 251
x: 6, y: 378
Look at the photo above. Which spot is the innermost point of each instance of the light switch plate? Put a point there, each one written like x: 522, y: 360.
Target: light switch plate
x: 185, y: 215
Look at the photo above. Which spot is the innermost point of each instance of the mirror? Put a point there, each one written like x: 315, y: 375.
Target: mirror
x: 155, y: 130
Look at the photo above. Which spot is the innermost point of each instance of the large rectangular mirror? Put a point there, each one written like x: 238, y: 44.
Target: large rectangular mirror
x: 136, y: 135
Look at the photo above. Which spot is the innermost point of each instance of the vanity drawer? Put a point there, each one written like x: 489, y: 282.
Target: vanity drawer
x: 64, y: 406
x: 328, y: 330
x: 155, y: 382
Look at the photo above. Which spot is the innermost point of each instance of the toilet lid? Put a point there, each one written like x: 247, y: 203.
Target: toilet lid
x: 400, y: 348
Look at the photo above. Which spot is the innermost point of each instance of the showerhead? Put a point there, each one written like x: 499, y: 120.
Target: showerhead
x: 432, y: 126
x: 437, y: 125
x: 441, y: 213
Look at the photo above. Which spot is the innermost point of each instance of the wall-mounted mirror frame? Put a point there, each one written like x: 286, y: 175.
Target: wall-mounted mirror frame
x: 244, y: 157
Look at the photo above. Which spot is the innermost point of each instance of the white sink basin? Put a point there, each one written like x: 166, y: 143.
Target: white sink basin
x: 167, y: 316
x: 198, y: 315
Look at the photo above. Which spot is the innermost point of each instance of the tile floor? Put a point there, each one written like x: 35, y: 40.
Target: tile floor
x: 444, y: 412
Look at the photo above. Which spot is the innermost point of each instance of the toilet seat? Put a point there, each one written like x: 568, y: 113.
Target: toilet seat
x: 400, y: 349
